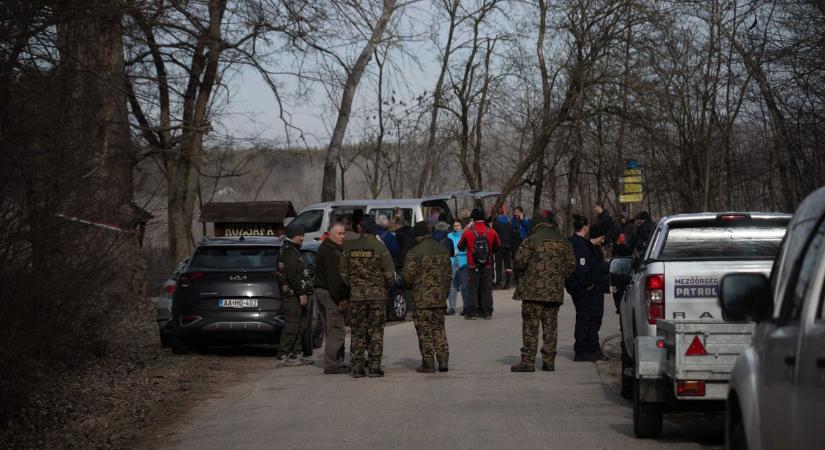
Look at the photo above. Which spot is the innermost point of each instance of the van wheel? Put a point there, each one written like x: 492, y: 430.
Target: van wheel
x: 627, y: 375
x: 647, y: 416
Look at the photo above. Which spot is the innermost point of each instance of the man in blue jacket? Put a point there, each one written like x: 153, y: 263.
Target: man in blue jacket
x: 587, y: 287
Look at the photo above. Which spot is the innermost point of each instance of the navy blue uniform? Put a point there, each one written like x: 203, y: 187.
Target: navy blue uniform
x: 587, y: 286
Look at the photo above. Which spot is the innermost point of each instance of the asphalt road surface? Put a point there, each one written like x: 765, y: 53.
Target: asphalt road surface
x: 478, y: 404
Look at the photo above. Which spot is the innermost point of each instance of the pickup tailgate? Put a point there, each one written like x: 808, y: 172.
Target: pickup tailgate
x: 706, y: 351
x: 692, y: 287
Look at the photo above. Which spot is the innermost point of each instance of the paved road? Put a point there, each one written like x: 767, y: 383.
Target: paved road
x: 479, y: 404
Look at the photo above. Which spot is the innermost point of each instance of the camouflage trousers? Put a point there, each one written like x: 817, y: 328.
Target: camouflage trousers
x: 366, y: 319
x: 432, y: 336
x: 534, y: 314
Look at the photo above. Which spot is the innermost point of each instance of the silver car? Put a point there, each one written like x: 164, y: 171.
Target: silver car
x: 163, y: 310
x: 777, y: 389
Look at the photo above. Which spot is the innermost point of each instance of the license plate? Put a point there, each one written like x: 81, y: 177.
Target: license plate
x: 238, y: 303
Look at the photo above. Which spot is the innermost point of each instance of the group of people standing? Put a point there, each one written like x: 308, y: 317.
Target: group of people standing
x: 355, y: 269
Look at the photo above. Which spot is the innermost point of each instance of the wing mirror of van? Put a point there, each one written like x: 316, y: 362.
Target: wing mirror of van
x: 620, y: 265
x: 745, y: 296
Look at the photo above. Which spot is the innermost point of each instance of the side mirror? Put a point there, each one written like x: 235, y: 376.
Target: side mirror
x: 620, y: 265
x: 745, y: 296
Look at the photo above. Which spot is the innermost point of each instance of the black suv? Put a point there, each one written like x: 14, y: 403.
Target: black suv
x: 228, y: 293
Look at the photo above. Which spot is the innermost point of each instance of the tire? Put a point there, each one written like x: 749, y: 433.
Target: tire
x: 179, y: 346
x: 397, y: 306
x: 311, y: 340
x: 318, y: 327
x: 165, y: 339
x: 738, y: 438
x: 627, y: 380
x: 647, y: 417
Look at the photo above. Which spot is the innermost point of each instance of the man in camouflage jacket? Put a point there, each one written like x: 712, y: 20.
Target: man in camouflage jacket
x: 367, y: 268
x: 427, y: 272
x: 543, y: 261
x: 296, y: 286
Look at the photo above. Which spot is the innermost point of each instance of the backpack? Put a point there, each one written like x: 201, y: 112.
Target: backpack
x: 481, y: 249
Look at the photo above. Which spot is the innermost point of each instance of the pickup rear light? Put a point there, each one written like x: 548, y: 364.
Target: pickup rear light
x: 655, y: 293
x: 696, y: 348
x: 188, y: 278
x: 690, y: 388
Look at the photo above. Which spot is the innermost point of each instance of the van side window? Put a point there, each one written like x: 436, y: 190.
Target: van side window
x: 311, y: 220
x: 795, y: 297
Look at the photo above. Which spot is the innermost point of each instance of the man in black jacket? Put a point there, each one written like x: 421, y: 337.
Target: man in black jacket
x: 587, y: 287
x: 331, y: 293
x: 296, y: 287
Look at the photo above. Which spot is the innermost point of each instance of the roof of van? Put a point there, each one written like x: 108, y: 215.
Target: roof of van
x: 390, y: 202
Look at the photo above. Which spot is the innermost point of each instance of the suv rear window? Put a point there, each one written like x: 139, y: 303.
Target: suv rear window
x: 722, y: 242
x: 235, y: 257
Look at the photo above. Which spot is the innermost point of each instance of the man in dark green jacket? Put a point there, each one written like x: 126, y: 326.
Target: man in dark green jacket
x: 543, y: 261
x: 367, y: 268
x: 296, y: 287
x: 427, y: 272
x: 331, y: 293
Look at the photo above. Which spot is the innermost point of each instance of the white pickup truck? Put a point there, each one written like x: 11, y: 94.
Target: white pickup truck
x: 677, y: 351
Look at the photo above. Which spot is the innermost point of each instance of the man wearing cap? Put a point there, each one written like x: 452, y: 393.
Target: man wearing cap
x: 480, y: 261
x: 367, y: 268
x: 296, y: 285
x: 427, y: 272
x: 543, y: 261
x: 587, y: 286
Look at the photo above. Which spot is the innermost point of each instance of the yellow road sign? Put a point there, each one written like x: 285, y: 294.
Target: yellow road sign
x: 633, y: 179
x: 631, y: 188
x: 630, y: 198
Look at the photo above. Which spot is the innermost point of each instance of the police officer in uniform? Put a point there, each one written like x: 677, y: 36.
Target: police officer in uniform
x: 368, y: 269
x: 427, y: 272
x: 587, y: 285
x: 296, y: 287
x: 543, y: 261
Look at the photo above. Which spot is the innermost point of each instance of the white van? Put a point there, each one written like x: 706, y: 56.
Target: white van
x: 317, y: 218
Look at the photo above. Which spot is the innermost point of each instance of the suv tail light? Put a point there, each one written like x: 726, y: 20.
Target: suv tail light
x: 655, y: 293
x: 169, y: 290
x: 188, y: 278
x: 696, y: 348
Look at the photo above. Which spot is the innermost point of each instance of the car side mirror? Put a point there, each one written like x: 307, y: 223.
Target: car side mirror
x: 620, y: 265
x: 745, y: 296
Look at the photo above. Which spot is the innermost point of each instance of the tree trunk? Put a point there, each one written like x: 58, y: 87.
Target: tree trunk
x: 345, y: 108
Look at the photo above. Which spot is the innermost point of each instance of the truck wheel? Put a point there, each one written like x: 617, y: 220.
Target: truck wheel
x: 647, y: 416
x: 627, y: 375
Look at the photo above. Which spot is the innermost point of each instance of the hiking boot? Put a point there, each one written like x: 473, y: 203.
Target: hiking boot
x: 287, y: 361
x: 601, y: 356
x: 488, y: 317
x: 340, y: 370
x: 358, y: 372
x: 305, y: 361
x: 523, y: 367
x: 548, y: 367
x: 442, y: 366
x: 425, y: 369
x: 470, y: 317
x: 377, y: 372
x: 450, y: 312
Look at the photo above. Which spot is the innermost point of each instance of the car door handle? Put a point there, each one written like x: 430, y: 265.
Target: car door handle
x: 790, y: 360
